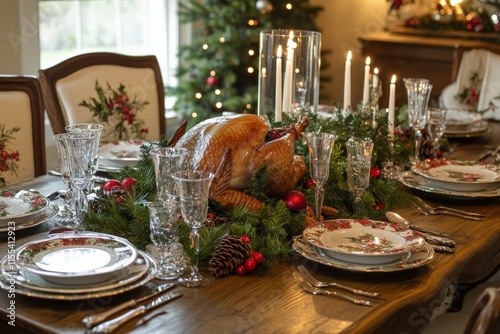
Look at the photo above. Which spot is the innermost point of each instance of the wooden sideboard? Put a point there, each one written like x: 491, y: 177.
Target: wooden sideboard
x: 406, y: 55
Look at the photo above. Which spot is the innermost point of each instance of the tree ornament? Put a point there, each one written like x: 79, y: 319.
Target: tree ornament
x: 375, y: 172
x: 264, y: 6
x: 230, y: 253
x: 212, y: 81
x: 379, y: 206
x: 295, y: 201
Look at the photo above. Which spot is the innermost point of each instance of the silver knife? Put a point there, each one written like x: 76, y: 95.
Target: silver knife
x: 443, y: 241
x: 92, y: 320
x: 111, y: 325
x: 443, y: 249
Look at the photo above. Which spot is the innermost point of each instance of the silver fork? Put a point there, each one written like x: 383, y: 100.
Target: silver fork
x: 428, y: 207
x: 319, y: 284
x: 315, y: 291
x: 428, y: 212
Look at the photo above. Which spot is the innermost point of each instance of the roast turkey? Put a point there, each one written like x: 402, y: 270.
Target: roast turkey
x: 235, y: 147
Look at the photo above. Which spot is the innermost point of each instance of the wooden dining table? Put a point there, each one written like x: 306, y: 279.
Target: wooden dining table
x: 272, y: 302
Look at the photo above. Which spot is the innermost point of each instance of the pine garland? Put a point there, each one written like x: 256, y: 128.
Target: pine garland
x: 272, y: 227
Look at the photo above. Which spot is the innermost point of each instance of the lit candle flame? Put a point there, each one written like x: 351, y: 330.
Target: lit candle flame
x: 393, y: 80
x: 367, y: 61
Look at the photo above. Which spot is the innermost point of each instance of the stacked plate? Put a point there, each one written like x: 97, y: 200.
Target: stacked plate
x: 79, y: 266
x: 459, y: 176
x: 118, y: 154
x: 23, y: 209
x: 363, y: 245
x: 463, y: 123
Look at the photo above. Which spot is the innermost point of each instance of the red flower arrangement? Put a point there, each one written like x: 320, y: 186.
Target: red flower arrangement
x: 8, y: 158
x: 117, y: 107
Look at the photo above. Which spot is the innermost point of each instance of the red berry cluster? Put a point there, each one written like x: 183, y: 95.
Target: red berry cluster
x: 251, y: 263
x: 119, y: 187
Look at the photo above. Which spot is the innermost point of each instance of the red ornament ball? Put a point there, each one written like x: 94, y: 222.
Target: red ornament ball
x: 212, y: 81
x: 111, y: 184
x: 310, y: 183
x: 379, y: 206
x: 295, y: 201
x: 240, y: 270
x: 245, y: 239
x: 375, y: 172
x: 258, y: 257
x: 128, y: 183
x: 250, y: 264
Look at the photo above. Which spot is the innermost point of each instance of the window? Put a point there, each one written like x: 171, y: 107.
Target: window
x: 134, y: 27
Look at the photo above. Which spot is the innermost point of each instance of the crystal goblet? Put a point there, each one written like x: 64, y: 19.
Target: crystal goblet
x: 436, y: 125
x: 67, y: 220
x: 419, y: 91
x: 320, y: 147
x: 92, y: 128
x: 81, y: 151
x: 359, y: 155
x: 193, y: 187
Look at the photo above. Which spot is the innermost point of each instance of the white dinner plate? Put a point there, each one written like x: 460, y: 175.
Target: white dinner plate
x: 363, y: 241
x: 459, y: 175
x: 137, y: 270
x: 36, y: 220
x: 461, y: 119
x: 77, y: 259
x: 119, y: 154
x: 413, y: 259
x: 21, y: 290
x: 19, y: 206
x: 418, y: 182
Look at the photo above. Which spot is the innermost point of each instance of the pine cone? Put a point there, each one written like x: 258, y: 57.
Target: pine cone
x: 328, y: 211
x: 227, y: 255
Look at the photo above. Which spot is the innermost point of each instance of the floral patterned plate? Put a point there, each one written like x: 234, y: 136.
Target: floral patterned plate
x: 138, y: 269
x: 363, y: 241
x: 119, y: 154
x: 413, y: 259
x: 459, y: 175
x: 36, y: 220
x: 19, y: 206
x: 77, y: 260
x: 5, y: 283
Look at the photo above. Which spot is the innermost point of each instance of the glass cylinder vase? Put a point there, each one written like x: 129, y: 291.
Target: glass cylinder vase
x: 288, y: 72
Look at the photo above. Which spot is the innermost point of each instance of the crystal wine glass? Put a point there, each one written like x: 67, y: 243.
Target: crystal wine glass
x: 167, y: 161
x: 81, y: 151
x: 68, y: 219
x: 193, y: 187
x: 89, y: 128
x: 419, y: 91
x: 436, y: 125
x: 320, y: 147
x: 359, y: 155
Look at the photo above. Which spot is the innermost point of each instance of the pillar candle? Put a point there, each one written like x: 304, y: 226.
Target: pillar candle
x: 392, y: 99
x: 287, y: 91
x: 278, y: 107
x: 366, y: 84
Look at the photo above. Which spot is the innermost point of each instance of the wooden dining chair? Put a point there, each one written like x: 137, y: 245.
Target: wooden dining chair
x: 22, y: 129
x: 73, y: 80
x: 485, y: 315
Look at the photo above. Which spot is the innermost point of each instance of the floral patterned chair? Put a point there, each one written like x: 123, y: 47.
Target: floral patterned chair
x: 22, y: 131
x: 124, y: 93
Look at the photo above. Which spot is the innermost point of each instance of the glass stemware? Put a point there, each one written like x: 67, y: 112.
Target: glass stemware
x: 419, y: 91
x: 193, y: 187
x: 320, y: 147
x: 93, y: 128
x: 359, y: 156
x: 164, y: 221
x: 81, y: 151
x: 436, y: 125
x: 68, y: 218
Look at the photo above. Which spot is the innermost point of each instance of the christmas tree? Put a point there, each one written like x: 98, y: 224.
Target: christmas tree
x: 219, y: 68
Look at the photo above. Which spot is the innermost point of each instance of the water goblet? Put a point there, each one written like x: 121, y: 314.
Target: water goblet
x: 320, y: 147
x: 436, y: 125
x: 89, y: 128
x: 81, y: 151
x: 163, y: 221
x: 67, y: 220
x: 167, y: 160
x: 193, y: 187
x: 359, y: 155
x: 419, y: 91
